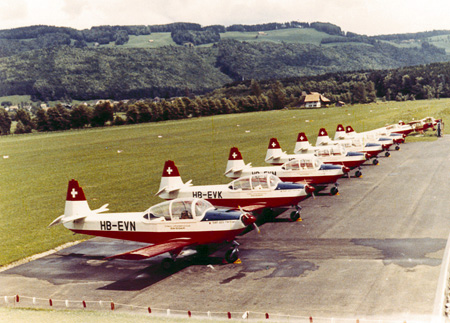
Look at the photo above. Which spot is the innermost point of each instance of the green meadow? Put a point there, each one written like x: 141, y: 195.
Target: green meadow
x: 122, y: 165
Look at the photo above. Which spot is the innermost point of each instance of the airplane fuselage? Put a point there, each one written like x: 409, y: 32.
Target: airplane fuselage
x: 222, y: 195
x: 134, y: 227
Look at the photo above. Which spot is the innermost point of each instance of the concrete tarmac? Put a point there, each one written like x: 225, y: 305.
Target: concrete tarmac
x: 375, y: 250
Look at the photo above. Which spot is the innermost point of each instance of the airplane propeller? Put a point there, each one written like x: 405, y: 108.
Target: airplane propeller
x: 247, y: 216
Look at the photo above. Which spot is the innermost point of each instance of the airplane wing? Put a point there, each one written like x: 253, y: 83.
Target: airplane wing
x: 154, y: 250
x: 254, y: 207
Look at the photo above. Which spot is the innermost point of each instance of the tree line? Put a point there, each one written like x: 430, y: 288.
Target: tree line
x: 105, y: 113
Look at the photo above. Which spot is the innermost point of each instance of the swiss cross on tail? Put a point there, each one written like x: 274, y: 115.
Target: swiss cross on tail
x: 301, y: 137
x: 340, y: 128
x: 323, y: 132
x: 274, y: 144
x: 75, y: 192
x: 235, y: 154
x: 170, y: 170
x: 349, y: 129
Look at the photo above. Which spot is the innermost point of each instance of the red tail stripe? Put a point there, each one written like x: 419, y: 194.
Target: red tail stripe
x: 340, y: 127
x: 235, y: 154
x: 170, y: 170
x: 75, y: 192
x: 274, y: 144
x: 301, y: 137
x: 323, y: 132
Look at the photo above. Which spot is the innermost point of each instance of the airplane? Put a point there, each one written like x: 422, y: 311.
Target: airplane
x: 424, y: 124
x: 335, y: 154
x: 397, y: 137
x: 367, y: 137
x: 253, y: 193
x: 309, y: 169
x: 169, y: 226
x: 356, y: 144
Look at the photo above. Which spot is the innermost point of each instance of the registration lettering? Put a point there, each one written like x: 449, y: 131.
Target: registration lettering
x: 207, y: 195
x: 273, y: 172
x: 119, y: 226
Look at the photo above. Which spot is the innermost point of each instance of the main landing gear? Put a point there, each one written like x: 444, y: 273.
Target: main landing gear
x: 397, y: 147
x: 334, y: 190
x: 358, y: 172
x: 232, y: 254
x: 295, y: 215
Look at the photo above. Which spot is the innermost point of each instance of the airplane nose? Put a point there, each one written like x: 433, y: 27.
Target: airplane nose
x: 309, y: 189
x: 248, y: 219
x: 345, y: 169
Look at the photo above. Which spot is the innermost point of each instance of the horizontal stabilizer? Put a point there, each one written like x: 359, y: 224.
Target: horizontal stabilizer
x: 64, y: 219
x: 101, y: 209
x: 237, y: 170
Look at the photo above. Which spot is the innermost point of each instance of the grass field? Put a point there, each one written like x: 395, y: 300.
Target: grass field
x: 122, y: 165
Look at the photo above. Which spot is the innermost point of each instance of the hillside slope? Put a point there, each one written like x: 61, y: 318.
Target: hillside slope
x: 51, y: 66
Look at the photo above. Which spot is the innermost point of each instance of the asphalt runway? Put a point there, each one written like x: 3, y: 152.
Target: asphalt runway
x: 375, y: 250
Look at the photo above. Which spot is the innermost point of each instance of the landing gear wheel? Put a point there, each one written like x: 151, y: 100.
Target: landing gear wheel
x: 295, y: 215
x: 358, y: 173
x: 375, y: 161
x: 397, y: 147
x: 387, y: 154
x: 231, y: 256
x: 334, y: 190
x: 167, y: 264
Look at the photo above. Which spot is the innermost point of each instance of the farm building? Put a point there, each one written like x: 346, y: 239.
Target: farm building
x: 315, y: 100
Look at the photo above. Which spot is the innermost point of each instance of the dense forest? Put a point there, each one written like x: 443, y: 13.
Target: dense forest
x: 67, y: 72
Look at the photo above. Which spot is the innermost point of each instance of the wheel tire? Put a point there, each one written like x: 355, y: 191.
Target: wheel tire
x: 295, y: 216
x: 397, y: 147
x: 358, y: 173
x: 167, y: 264
x: 375, y: 162
x: 387, y: 154
x: 231, y: 256
x: 334, y: 190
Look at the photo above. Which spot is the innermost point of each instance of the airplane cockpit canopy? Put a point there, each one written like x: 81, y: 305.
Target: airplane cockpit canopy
x: 178, y: 209
x: 327, y: 151
x: 302, y: 164
x: 255, y: 182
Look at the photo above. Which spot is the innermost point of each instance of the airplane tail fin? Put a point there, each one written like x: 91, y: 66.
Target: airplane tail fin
x: 349, y: 129
x: 322, y: 138
x: 340, y: 133
x: 235, y: 162
x: 274, y: 151
x: 302, y: 145
x: 170, y: 180
x: 76, y: 205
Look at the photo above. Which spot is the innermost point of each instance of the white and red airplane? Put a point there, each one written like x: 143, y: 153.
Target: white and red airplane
x: 383, y: 133
x: 252, y: 193
x: 372, y: 150
x: 308, y: 169
x: 168, y: 226
x: 424, y: 124
x: 335, y: 154
x: 367, y: 137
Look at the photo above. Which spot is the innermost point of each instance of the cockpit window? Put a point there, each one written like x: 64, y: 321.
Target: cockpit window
x: 161, y: 210
x: 178, y: 209
x: 242, y: 183
x: 201, y: 206
x: 259, y: 182
x: 181, y: 210
x: 273, y: 181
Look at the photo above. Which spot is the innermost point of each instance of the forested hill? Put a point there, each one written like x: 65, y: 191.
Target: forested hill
x: 117, y: 62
